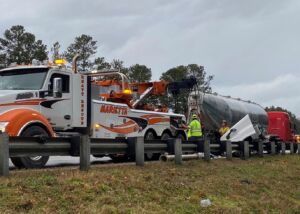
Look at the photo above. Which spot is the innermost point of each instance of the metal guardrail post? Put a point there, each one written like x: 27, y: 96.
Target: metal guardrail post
x: 283, y: 148
x: 260, y: 148
x: 273, y: 149
x: 291, y: 148
x: 4, y: 155
x: 139, y: 151
x: 228, y: 150
x: 85, y: 152
x: 245, y: 151
x: 178, y: 151
x: 207, y: 149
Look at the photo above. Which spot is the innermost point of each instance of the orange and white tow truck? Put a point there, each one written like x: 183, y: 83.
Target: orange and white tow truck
x: 54, y: 99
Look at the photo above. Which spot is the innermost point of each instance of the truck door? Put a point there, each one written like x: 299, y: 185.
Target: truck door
x: 59, y: 110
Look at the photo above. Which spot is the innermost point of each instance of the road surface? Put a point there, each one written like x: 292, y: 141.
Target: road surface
x: 56, y: 161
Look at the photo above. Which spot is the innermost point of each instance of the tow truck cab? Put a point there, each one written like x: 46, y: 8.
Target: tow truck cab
x: 33, y: 87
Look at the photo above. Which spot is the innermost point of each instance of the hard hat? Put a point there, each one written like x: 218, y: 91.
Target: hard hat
x: 194, y: 116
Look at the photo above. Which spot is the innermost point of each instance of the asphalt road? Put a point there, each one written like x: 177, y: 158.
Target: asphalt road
x: 56, y: 161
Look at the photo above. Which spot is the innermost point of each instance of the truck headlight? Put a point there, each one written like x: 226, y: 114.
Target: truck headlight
x: 3, y: 126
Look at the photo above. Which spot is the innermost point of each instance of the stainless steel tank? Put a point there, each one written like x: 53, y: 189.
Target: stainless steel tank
x: 214, y: 108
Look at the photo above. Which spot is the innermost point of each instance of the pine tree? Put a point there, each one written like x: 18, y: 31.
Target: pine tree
x: 21, y: 47
x: 86, y: 47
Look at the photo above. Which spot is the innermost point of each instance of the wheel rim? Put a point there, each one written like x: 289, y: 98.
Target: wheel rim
x: 150, y: 136
x: 165, y: 136
x: 36, y: 158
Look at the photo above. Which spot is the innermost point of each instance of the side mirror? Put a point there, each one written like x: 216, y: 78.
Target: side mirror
x: 57, y: 87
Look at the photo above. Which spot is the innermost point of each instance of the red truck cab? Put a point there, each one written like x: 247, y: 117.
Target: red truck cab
x: 280, y: 124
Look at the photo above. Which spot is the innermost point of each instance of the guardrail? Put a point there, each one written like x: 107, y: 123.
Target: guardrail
x: 84, y: 146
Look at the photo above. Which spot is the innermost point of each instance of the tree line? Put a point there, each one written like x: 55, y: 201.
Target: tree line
x: 21, y: 47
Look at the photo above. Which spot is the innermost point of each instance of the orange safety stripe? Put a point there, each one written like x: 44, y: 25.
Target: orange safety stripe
x: 154, y: 118
x: 24, y: 102
x: 126, y: 124
x: 127, y: 130
x: 152, y: 121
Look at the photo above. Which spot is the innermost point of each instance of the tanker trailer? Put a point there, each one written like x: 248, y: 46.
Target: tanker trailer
x: 214, y: 108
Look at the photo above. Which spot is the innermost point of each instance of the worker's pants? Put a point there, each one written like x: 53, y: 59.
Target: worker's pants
x: 196, y: 138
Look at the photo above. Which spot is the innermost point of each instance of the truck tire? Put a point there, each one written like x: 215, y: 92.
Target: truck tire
x: 150, y: 135
x: 165, y: 136
x: 36, y: 161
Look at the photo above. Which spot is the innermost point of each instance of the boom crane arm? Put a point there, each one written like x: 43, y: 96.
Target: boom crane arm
x: 160, y: 88
x: 118, y: 89
x: 147, y: 89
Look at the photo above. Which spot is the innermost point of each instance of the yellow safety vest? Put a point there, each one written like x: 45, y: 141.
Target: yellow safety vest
x: 189, y: 133
x: 195, y: 128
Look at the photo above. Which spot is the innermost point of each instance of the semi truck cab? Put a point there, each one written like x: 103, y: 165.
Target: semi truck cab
x: 280, y: 125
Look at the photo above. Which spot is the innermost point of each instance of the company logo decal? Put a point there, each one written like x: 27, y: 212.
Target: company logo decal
x: 114, y: 109
x: 49, y: 103
x: 135, y: 123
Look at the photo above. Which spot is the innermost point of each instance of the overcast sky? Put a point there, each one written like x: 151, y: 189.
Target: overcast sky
x: 252, y: 47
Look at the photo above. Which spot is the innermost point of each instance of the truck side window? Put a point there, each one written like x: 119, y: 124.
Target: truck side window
x: 65, y: 82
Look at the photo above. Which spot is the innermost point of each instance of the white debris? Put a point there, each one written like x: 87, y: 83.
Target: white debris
x: 205, y: 203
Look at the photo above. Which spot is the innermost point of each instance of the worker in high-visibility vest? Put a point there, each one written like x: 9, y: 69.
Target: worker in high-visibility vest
x: 224, y: 128
x: 195, y: 130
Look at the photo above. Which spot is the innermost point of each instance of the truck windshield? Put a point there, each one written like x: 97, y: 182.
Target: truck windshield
x: 23, y: 79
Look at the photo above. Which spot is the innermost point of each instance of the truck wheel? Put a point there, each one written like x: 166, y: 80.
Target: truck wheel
x: 150, y: 135
x: 36, y: 161
x: 165, y: 136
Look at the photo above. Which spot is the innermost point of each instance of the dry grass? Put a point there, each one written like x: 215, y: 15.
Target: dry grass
x: 260, y: 185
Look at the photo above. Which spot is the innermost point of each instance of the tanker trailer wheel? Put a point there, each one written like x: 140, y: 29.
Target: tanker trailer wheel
x: 34, y: 161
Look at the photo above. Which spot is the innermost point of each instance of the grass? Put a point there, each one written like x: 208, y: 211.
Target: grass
x: 259, y: 185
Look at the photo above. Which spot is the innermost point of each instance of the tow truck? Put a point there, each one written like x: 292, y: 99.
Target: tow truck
x: 54, y: 99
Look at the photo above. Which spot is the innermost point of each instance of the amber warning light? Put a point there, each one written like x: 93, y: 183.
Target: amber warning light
x: 127, y: 91
x: 60, y: 62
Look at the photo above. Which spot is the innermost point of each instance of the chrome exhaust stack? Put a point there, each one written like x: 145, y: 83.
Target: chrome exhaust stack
x: 74, y: 63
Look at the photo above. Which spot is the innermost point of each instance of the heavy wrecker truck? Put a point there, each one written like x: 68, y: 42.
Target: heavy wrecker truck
x: 54, y: 99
